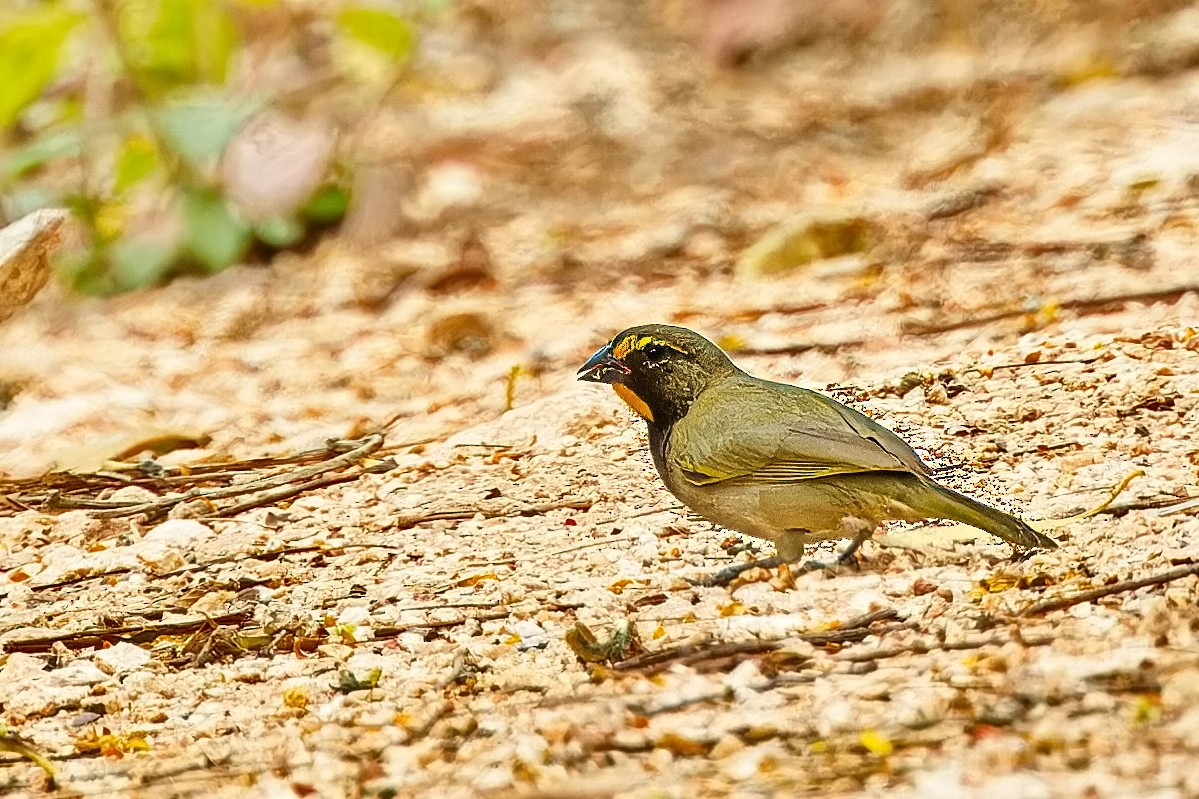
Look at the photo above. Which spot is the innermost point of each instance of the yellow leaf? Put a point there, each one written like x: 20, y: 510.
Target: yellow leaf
x: 296, y: 697
x: 733, y: 608
x: 619, y: 586
x: 476, y: 579
x: 998, y: 582
x: 876, y: 743
x: 659, y: 632
x: 678, y: 745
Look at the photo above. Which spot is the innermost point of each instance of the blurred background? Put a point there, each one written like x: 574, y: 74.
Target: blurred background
x: 295, y: 219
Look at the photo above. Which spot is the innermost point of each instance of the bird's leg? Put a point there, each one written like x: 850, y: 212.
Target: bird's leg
x: 858, y: 531
x: 791, y: 549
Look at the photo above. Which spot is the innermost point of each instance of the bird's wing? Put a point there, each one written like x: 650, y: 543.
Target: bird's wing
x: 769, y: 432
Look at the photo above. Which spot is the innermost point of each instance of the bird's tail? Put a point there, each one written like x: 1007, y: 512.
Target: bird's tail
x: 945, y: 503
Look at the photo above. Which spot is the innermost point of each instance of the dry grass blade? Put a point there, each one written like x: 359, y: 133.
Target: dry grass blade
x: 1123, y: 586
x: 923, y: 647
x: 94, y: 636
x: 1169, y: 293
x: 62, y: 491
x: 693, y: 653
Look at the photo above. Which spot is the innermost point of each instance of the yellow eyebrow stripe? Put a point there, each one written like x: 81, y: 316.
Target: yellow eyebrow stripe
x: 630, y: 343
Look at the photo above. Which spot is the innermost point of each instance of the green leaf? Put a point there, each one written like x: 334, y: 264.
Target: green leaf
x: 378, y: 29
x: 215, y: 236
x: 178, y: 42
x: 139, y: 264
x: 30, y: 45
x: 85, y: 271
x: 279, y: 231
x: 54, y: 144
x: 137, y: 161
x: 198, y: 128
x: 328, y: 205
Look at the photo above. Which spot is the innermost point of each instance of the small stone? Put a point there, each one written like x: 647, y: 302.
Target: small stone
x: 532, y: 636
x: 1181, y: 691
x: 922, y: 587
x: 726, y: 746
x: 493, y: 778
x: 133, y: 495
x: 339, y: 652
x: 121, y: 658
x: 77, y: 672
x: 745, y: 764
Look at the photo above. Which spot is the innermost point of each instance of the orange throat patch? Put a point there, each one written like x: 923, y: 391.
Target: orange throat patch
x: 633, y: 401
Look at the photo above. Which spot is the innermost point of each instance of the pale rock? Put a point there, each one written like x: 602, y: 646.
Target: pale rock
x: 18, y: 670
x: 1181, y: 691
x: 212, y: 603
x: 836, y: 716
x: 865, y: 602
x: 354, y: 614
x: 77, y: 672
x: 338, y: 652
x: 447, y: 185
x: 727, y: 746
x: 410, y: 642
x: 493, y: 777
x: 746, y: 680
x: 943, y: 783
x: 363, y: 662
x: 170, y: 545
x: 121, y: 658
x: 1023, y: 785
x: 132, y: 495
x: 659, y: 760
x: 531, y: 749
x: 532, y: 636
x: 26, y: 689
x: 745, y: 764
x: 920, y: 707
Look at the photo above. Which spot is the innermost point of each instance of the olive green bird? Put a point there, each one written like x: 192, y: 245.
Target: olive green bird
x: 772, y: 460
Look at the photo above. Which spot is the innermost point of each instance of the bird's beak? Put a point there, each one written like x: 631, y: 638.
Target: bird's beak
x: 603, y: 367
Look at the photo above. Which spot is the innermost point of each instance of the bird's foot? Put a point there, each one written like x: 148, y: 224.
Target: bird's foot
x: 846, y: 560
x: 726, y: 575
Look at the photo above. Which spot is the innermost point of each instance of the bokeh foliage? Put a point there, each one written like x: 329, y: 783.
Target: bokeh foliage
x: 123, y: 110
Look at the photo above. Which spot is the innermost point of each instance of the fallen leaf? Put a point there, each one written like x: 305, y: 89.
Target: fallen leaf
x: 25, y: 249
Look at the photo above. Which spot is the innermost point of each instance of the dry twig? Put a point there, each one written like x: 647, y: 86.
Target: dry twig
x: 1081, y: 304
x: 61, y: 491
x: 92, y: 636
x: 1123, y: 586
x: 694, y: 653
x: 923, y: 647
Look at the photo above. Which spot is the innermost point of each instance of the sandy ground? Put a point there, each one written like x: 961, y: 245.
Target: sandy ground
x: 1026, y: 315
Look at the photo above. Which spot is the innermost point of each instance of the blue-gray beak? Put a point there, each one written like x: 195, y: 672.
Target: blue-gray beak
x: 603, y: 368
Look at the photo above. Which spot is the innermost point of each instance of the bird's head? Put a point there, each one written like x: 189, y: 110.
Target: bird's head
x: 658, y: 370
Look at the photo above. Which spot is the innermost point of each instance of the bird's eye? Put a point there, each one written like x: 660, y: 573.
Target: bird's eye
x: 655, y: 352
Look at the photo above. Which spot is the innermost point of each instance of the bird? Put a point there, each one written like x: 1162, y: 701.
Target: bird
x: 772, y: 460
